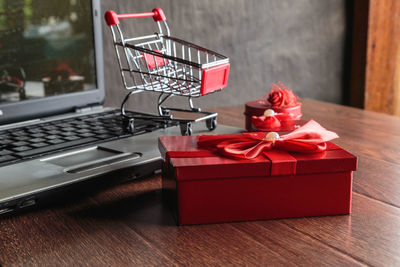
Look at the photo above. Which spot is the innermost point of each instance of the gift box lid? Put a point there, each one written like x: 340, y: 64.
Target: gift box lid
x: 192, y: 163
x: 257, y: 108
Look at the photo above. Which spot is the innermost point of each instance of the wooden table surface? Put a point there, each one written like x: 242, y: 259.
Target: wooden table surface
x: 127, y: 224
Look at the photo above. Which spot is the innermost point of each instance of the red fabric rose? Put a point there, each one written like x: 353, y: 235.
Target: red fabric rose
x: 276, y: 99
x: 281, y: 96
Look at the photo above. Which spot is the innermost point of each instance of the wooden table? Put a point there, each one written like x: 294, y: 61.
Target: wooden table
x: 128, y: 224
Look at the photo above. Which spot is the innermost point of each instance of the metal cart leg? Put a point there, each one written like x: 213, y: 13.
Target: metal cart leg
x: 192, y: 106
x: 128, y: 125
x: 186, y: 128
x: 162, y: 111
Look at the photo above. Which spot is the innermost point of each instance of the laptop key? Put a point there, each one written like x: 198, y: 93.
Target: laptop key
x: 86, y: 134
x: 49, y: 128
x: 35, y: 130
x: 7, y: 158
x: 101, y: 132
x: 22, y: 138
x: 54, y: 132
x: 69, y: 129
x: 55, y: 141
x: 5, y: 142
x: 19, y: 133
x: 4, y: 152
x: 41, y: 144
x: 98, y: 128
x: 68, y: 133
x: 62, y: 125
x: 52, y: 148
x: 21, y: 148
x: 72, y: 137
x: 83, y: 131
x: 37, y: 140
x: 20, y: 143
x: 38, y: 135
x: 82, y: 126
x: 53, y: 136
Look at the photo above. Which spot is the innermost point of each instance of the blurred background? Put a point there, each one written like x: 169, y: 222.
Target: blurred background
x: 303, y: 43
x: 340, y: 51
x: 45, y: 49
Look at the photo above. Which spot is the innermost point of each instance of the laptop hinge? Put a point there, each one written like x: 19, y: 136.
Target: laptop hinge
x: 88, y: 108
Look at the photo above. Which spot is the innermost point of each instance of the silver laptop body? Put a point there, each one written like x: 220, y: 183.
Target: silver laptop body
x: 24, y: 183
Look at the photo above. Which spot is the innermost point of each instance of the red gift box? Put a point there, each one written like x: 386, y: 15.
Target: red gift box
x: 257, y: 108
x: 204, y: 187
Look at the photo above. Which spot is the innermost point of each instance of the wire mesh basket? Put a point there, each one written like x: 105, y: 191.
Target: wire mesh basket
x: 169, y: 66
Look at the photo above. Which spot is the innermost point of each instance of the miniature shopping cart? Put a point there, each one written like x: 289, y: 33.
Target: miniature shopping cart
x: 169, y: 66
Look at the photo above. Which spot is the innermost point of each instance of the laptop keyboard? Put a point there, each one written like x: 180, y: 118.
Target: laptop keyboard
x: 40, y: 139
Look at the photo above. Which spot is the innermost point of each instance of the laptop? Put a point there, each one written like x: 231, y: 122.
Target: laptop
x: 54, y: 131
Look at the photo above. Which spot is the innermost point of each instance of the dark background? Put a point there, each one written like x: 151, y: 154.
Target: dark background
x: 45, y: 40
x: 303, y: 43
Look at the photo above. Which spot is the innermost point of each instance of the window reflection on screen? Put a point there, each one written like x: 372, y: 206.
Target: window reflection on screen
x: 46, y: 48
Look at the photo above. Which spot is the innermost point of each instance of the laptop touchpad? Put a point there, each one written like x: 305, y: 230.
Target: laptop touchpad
x: 90, y: 158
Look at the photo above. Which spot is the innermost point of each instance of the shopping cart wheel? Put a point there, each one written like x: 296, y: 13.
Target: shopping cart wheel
x: 165, y: 112
x: 211, y: 124
x: 128, y: 125
x: 186, y: 128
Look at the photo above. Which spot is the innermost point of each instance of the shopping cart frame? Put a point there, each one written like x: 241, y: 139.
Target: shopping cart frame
x: 155, y: 63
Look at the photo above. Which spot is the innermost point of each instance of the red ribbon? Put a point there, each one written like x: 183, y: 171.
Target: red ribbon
x: 310, y: 138
x: 271, y: 123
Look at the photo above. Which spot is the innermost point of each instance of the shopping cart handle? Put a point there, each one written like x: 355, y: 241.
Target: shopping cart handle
x: 112, y: 18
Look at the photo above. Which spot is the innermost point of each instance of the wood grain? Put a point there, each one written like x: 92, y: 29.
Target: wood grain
x: 294, y: 245
x: 369, y: 235
x: 370, y: 181
x: 376, y: 55
x: 127, y: 224
x: 63, y: 237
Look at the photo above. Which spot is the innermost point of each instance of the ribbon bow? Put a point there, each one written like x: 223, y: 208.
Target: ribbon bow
x: 309, y: 138
x: 272, y: 121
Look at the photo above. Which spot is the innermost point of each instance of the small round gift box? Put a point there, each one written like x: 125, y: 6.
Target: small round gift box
x: 257, y: 108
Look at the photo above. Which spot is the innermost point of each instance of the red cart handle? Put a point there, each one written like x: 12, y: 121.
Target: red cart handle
x: 112, y: 18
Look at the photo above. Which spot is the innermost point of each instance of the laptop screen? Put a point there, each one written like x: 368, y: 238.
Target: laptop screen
x: 46, y: 49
